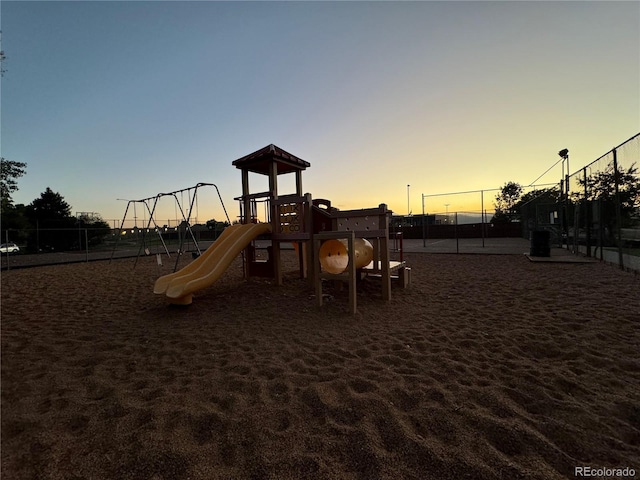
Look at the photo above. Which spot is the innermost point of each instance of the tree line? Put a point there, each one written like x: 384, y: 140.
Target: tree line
x: 616, y: 207
x: 45, y: 224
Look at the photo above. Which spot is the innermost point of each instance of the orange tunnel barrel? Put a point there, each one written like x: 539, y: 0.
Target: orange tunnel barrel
x: 334, y: 255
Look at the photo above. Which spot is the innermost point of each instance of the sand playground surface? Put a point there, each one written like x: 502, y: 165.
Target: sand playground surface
x: 487, y: 367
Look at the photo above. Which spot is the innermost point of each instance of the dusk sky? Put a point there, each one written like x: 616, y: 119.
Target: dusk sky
x: 107, y: 100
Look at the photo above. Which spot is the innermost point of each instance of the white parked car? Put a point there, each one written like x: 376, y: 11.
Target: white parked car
x: 9, y: 248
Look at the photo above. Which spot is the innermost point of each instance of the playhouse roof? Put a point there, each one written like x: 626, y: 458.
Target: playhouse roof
x: 260, y: 160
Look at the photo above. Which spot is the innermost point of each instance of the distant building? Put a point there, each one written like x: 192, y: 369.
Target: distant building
x: 398, y: 221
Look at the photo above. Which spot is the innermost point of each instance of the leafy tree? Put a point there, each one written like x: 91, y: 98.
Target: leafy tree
x: 535, y: 206
x: 15, y: 221
x: 505, y: 204
x: 12, y: 217
x: 50, y: 214
x: 543, y: 196
x: 49, y: 208
x: 10, y: 171
x: 97, y: 229
x: 3, y: 58
x: 600, y: 187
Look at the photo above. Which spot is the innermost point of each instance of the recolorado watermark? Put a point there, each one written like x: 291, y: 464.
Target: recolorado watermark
x: 585, y: 471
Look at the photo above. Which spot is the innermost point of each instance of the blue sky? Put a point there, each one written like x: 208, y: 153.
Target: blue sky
x: 107, y: 100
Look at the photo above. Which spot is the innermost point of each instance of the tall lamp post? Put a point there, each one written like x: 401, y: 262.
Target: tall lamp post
x: 424, y: 225
x: 564, y: 154
x: 408, y: 205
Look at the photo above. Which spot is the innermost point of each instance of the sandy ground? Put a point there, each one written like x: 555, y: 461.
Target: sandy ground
x: 487, y: 367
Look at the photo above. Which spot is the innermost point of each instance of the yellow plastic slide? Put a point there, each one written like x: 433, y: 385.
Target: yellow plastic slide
x: 209, y: 266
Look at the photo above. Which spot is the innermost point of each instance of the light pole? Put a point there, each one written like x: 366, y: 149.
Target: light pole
x: 424, y: 225
x: 446, y: 207
x: 564, y: 154
x: 408, y: 206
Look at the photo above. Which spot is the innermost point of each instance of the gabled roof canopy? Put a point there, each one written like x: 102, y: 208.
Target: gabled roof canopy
x: 260, y: 161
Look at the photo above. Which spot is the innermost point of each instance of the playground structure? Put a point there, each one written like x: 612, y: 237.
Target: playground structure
x: 331, y: 244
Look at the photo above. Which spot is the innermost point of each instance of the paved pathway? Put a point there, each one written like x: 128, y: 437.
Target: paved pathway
x: 492, y: 246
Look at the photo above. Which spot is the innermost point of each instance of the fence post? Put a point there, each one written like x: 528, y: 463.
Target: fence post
x: 616, y: 181
x: 566, y: 207
x: 424, y: 226
x: 561, y: 213
x: 600, y: 229
x: 86, y: 243
x: 6, y: 240
x: 482, y: 215
x: 456, y: 230
x: 587, y: 211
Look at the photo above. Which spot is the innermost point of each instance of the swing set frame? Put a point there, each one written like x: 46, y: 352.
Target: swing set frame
x: 186, y: 220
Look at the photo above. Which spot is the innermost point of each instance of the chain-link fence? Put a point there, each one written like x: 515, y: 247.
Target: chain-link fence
x: 470, y: 218
x: 165, y: 223
x: 46, y: 246
x: 541, y: 211
x: 596, y: 210
x: 601, y: 207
